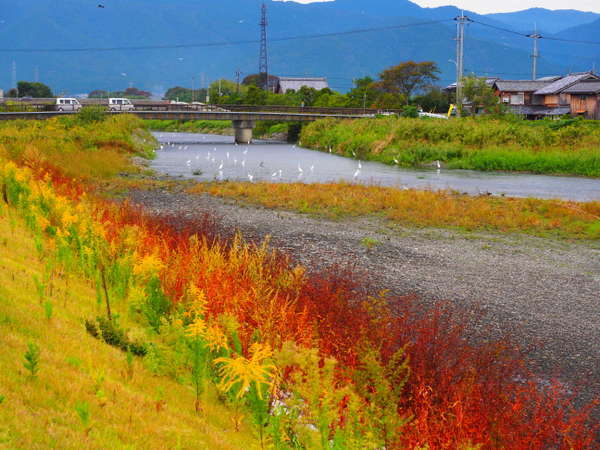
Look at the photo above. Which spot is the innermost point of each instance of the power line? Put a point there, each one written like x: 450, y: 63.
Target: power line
x: 217, y: 44
x: 550, y: 38
x: 575, y: 41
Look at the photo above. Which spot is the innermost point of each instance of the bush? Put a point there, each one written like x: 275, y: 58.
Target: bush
x: 113, y: 335
x: 91, y: 114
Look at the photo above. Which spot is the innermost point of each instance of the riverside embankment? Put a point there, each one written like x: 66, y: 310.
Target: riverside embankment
x: 564, y: 147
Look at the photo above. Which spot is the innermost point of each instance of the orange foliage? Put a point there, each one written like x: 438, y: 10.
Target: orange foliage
x: 457, y: 392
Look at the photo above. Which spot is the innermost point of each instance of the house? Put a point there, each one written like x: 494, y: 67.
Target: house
x: 550, y: 96
x: 584, y: 98
x: 286, y: 84
x: 518, y: 92
x: 554, y: 95
x: 520, y: 97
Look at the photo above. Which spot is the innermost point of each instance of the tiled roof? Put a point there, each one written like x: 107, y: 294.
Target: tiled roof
x: 550, y: 78
x: 564, y: 83
x: 288, y: 83
x: 520, y: 85
x: 584, y: 87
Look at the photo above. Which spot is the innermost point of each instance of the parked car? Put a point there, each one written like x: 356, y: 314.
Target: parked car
x: 67, y: 104
x: 120, y: 104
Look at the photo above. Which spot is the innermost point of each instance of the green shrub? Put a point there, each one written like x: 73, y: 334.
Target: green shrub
x: 32, y: 359
x: 91, y: 114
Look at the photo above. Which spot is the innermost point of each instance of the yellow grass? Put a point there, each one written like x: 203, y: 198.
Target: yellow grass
x: 421, y: 208
x: 40, y: 413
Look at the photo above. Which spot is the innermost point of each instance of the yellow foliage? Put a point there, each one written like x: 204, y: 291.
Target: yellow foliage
x: 245, y: 371
x: 197, y: 328
x: 148, y: 266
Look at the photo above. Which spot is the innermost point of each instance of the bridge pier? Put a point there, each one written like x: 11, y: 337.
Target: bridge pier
x: 243, y: 131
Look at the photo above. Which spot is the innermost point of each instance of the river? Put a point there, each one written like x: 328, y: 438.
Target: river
x: 206, y: 157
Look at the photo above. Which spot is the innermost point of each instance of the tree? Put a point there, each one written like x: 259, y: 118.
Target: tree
x: 183, y: 94
x: 481, y: 96
x: 31, y: 89
x: 389, y: 100
x: 98, y: 93
x: 256, y: 80
x: 255, y: 96
x: 363, y: 94
x: 228, y: 91
x: 133, y: 92
x: 434, y: 100
x: 408, y: 77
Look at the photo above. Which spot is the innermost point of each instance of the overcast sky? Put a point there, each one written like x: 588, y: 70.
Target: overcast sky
x: 488, y: 6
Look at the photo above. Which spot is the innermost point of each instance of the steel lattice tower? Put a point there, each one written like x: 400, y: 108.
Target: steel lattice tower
x: 263, y: 67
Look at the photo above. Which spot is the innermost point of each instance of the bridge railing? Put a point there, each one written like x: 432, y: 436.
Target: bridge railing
x: 48, y: 104
x: 306, y: 109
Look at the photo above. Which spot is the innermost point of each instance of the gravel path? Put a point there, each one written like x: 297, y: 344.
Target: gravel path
x: 545, y: 293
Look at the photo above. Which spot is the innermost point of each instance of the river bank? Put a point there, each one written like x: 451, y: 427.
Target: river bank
x: 566, y: 147
x: 541, y: 292
x: 263, y: 130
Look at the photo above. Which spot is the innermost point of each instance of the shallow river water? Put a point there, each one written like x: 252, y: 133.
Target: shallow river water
x: 206, y: 157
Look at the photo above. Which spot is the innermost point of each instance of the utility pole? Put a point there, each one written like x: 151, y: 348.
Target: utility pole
x: 238, y: 73
x: 460, y: 55
x: 536, y: 54
x: 14, y: 77
x: 263, y: 66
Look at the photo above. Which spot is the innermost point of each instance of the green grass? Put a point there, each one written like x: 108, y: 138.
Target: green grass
x: 192, y: 126
x: 263, y: 129
x: 568, y: 147
x: 82, y: 395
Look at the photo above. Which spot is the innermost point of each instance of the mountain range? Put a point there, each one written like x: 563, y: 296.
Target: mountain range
x: 217, y: 38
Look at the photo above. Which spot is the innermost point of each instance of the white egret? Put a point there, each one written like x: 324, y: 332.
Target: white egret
x: 221, y: 166
x: 300, y: 168
x: 359, y: 165
x: 312, y: 168
x: 355, y: 176
x: 250, y: 177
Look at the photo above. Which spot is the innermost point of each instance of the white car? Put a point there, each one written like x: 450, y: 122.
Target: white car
x: 67, y: 104
x: 120, y: 104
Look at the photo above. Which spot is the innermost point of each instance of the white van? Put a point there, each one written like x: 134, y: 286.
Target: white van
x: 120, y: 104
x: 67, y: 104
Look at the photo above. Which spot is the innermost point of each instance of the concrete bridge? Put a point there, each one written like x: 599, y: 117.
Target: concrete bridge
x: 243, y: 122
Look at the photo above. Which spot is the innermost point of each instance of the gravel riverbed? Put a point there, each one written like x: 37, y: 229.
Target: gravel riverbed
x: 543, y: 292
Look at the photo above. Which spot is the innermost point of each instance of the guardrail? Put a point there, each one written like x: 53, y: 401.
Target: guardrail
x: 48, y: 104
